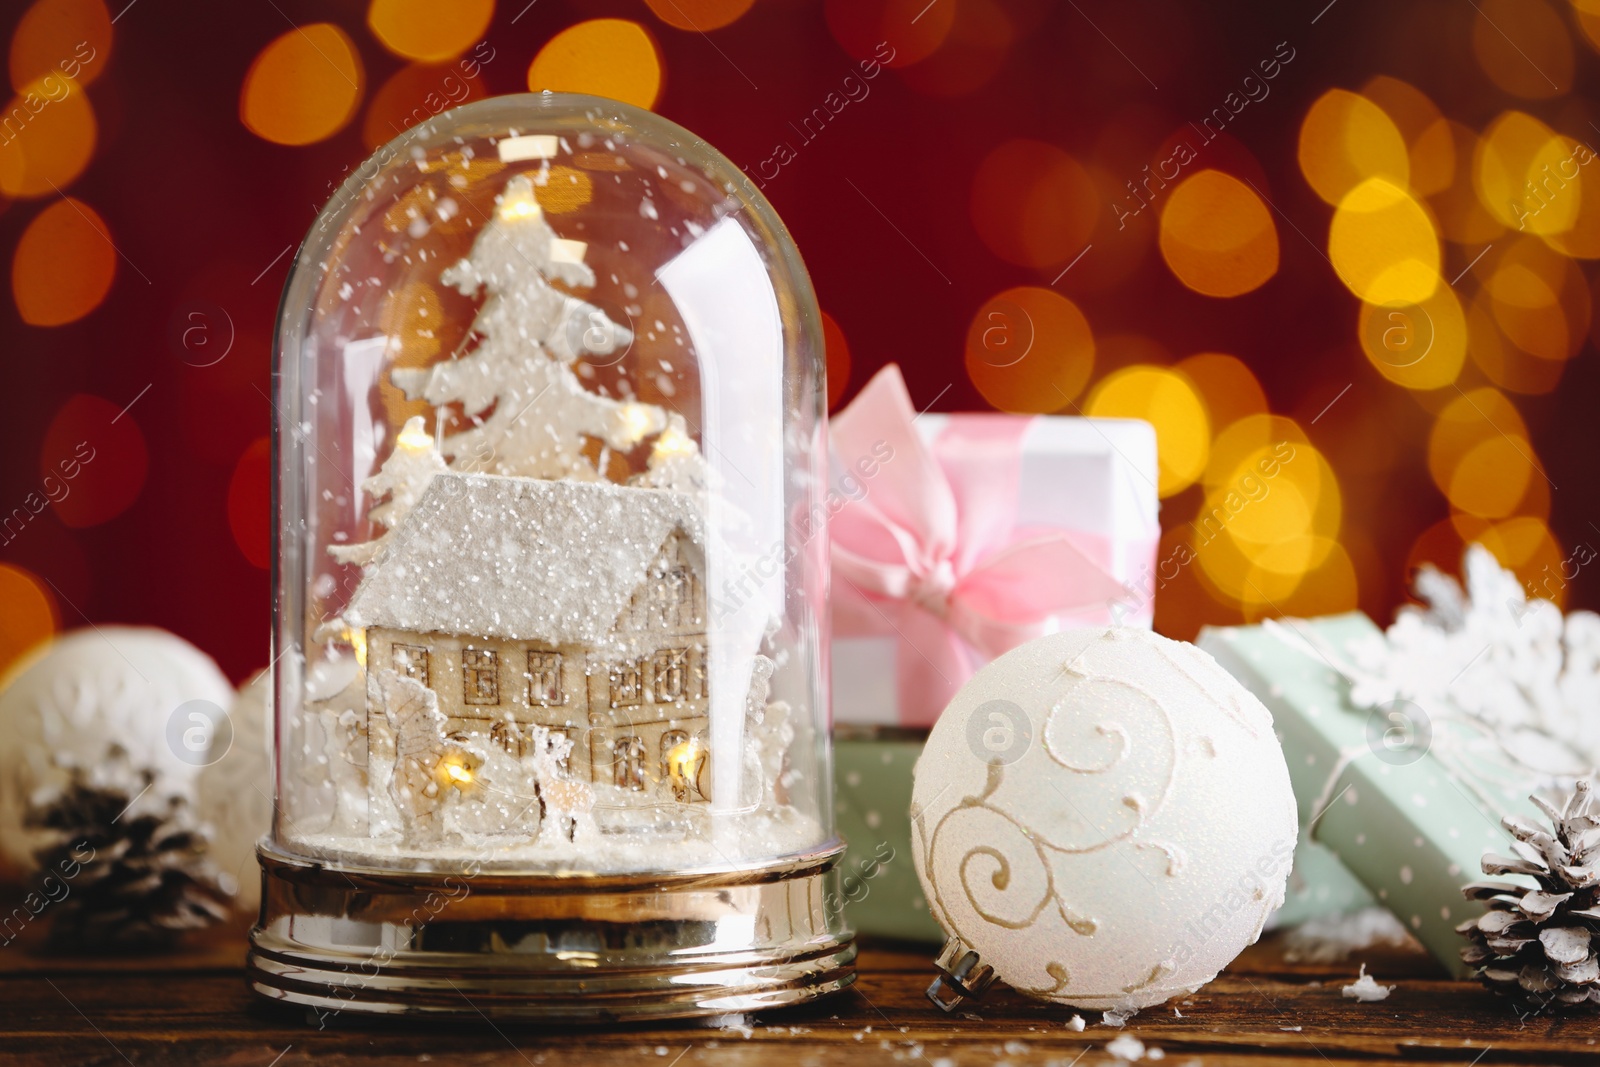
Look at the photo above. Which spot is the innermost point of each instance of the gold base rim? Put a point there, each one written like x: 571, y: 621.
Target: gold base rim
x: 557, y: 949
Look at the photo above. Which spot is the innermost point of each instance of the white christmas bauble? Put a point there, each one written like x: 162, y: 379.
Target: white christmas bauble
x: 1104, y: 817
x: 235, y: 790
x: 138, y: 687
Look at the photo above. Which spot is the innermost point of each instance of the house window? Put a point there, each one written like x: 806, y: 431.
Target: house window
x: 667, y: 601
x: 544, y: 680
x: 411, y: 661
x: 677, y: 598
x: 669, y: 675
x: 628, y: 759
x: 480, y: 676
x: 627, y: 685
x: 697, y: 676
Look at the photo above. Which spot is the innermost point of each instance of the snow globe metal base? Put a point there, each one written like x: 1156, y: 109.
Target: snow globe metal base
x: 550, y: 573
x: 561, y: 949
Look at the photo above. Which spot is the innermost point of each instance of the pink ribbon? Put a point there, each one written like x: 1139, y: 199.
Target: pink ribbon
x: 927, y: 548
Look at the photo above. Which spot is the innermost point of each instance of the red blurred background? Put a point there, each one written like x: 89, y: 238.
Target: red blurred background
x: 1360, y: 226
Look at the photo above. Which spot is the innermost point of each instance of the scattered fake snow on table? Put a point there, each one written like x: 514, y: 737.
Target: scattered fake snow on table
x: 1365, y: 989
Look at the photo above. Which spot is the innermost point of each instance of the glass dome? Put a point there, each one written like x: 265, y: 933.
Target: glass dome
x: 551, y: 554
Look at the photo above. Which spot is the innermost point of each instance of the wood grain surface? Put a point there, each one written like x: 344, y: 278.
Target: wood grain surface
x: 192, y: 1007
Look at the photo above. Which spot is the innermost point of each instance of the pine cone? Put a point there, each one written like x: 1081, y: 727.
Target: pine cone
x: 134, y: 863
x: 1538, y: 945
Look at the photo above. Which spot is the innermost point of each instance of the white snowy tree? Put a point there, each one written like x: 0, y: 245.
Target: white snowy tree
x: 530, y: 411
x: 675, y: 461
x: 396, y: 488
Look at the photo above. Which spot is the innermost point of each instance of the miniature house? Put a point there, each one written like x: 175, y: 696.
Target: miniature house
x: 576, y: 606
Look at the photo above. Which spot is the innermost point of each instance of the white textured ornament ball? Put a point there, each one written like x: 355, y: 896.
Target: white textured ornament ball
x: 137, y: 687
x: 1104, y: 817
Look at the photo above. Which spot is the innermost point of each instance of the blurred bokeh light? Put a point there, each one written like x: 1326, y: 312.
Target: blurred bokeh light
x: 427, y: 30
x: 601, y: 57
x: 1343, y: 261
x: 303, y: 87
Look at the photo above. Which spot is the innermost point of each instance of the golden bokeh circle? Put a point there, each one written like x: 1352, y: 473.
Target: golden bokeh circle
x: 1479, y: 454
x: 1248, y: 436
x: 1523, y: 46
x: 1346, y: 139
x: 1581, y: 169
x: 615, y: 58
x: 699, y: 15
x: 1217, y: 236
x: 63, y: 265
x: 1501, y: 361
x: 429, y: 31
x: 1416, y: 345
x: 303, y: 87
x: 61, y: 37
x: 1587, y: 13
x: 1167, y: 400
x: 1540, y: 301
x: 1490, y: 479
x: 1511, y: 162
x: 1029, y: 350
x: 54, y: 142
x: 30, y: 617
x: 1383, y: 245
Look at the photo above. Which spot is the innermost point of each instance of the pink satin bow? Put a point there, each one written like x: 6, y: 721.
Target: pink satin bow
x: 927, y: 547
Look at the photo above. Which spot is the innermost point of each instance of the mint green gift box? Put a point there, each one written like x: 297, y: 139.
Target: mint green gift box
x: 872, y: 811
x: 1410, y: 822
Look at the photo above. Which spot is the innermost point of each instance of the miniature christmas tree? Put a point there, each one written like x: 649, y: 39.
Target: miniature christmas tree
x: 396, y: 487
x: 530, y: 411
x: 675, y: 461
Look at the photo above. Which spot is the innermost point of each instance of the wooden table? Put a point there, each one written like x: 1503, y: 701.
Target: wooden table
x: 192, y: 1007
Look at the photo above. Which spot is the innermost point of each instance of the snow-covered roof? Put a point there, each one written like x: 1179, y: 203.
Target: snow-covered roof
x: 522, y: 559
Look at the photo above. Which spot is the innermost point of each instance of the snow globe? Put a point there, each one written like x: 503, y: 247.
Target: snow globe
x: 550, y: 578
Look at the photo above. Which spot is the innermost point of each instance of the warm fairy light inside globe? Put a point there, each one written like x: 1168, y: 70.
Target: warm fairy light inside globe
x: 357, y: 639
x: 456, y: 769
x: 414, y: 438
x: 520, y: 208
x: 674, y: 442
x: 636, y: 422
x: 684, y: 763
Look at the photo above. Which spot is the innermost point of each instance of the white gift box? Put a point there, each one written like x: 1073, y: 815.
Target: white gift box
x: 1093, y: 478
